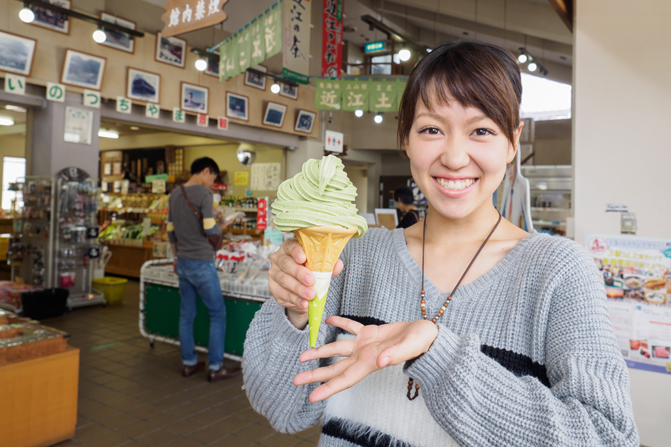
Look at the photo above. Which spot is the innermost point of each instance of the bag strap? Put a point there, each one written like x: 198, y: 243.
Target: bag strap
x: 196, y: 213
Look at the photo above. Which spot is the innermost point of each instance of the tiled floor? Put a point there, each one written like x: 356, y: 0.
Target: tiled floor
x: 132, y: 395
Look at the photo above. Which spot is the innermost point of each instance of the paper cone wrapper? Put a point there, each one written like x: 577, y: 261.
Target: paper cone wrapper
x: 322, y: 246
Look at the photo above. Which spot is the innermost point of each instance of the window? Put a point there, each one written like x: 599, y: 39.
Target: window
x: 384, y: 67
x: 545, y: 100
x: 12, y: 169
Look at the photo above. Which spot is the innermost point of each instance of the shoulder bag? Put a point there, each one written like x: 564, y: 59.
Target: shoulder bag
x: 215, y: 240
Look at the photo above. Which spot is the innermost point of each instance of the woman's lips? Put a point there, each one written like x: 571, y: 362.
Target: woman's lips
x: 455, y: 188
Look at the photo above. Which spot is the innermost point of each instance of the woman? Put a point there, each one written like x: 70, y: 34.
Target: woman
x: 522, y: 353
x: 405, y: 202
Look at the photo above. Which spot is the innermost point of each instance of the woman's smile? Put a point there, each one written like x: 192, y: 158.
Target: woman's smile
x: 455, y: 187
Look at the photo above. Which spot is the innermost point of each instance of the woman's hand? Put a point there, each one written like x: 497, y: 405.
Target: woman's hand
x: 374, y: 348
x: 290, y: 282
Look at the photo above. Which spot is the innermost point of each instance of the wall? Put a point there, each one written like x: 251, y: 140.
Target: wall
x: 621, y: 148
x: 552, y: 145
x: 358, y: 175
x: 50, y: 53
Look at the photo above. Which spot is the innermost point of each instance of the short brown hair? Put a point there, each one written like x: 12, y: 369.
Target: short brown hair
x: 476, y: 74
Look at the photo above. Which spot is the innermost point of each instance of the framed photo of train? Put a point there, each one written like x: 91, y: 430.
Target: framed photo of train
x: 143, y: 86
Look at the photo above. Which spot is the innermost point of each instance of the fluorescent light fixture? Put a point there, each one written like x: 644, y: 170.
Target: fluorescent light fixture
x: 404, y: 55
x: 134, y: 128
x: 14, y: 108
x: 6, y: 121
x: 26, y: 14
x: 378, y: 119
x: 201, y: 64
x: 358, y: 113
x: 275, y: 88
x: 99, y: 35
x: 103, y: 133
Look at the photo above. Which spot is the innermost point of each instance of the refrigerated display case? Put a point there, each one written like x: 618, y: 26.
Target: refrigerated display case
x: 550, y: 197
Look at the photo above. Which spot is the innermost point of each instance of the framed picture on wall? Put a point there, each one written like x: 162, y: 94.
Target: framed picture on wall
x: 194, y: 98
x: 16, y: 53
x: 274, y: 115
x: 237, y: 106
x: 83, y: 69
x: 212, y: 66
x: 289, y: 91
x: 56, y: 21
x: 143, y: 86
x: 256, y: 80
x: 171, y: 50
x: 118, y: 39
x: 304, y: 121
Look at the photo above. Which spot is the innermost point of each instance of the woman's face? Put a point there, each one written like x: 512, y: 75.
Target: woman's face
x: 458, y: 157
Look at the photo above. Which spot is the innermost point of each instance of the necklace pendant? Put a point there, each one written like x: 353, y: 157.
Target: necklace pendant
x: 409, y: 395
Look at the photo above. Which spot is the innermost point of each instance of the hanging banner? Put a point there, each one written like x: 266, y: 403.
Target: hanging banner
x: 296, y: 37
x: 383, y: 96
x: 637, y: 277
x: 257, y: 42
x: 272, y: 25
x: 355, y: 94
x: 327, y: 94
x: 332, y: 38
x: 243, y: 50
x: 182, y: 16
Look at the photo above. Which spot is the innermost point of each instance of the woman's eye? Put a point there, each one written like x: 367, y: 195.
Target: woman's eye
x: 482, y: 132
x: 430, y: 130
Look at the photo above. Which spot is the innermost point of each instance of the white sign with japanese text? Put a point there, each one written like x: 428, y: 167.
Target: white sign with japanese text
x: 296, y: 37
x: 15, y: 84
x: 123, y: 105
x: 55, y: 92
x: 152, y: 111
x: 91, y: 98
x: 178, y: 115
x: 78, y: 125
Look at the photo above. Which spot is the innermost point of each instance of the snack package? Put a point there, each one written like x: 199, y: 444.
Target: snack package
x: 316, y: 204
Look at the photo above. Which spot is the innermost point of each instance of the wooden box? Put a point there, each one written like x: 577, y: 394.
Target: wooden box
x: 38, y: 400
x: 29, y: 350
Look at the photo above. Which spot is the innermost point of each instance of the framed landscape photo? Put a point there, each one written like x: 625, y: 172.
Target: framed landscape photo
x: 118, y: 39
x: 171, y: 50
x: 289, y: 91
x: 274, y: 115
x: 143, y: 86
x: 56, y: 21
x: 194, y: 98
x: 256, y: 80
x: 304, y: 121
x: 16, y: 53
x: 83, y: 70
x: 237, y: 106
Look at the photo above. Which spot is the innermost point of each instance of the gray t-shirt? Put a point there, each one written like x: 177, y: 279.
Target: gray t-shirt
x: 184, y: 229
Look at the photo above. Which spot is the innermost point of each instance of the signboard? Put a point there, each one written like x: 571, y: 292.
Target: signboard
x: 374, y: 47
x: 78, y: 125
x: 378, y: 95
x: 637, y: 278
x: 265, y: 176
x: 153, y: 178
x: 296, y: 37
x: 333, y: 141
x: 332, y: 38
x: 241, y: 178
x: 202, y: 120
x: 222, y: 123
x: 262, y: 214
x: 182, y: 16
x: 91, y: 98
x: 15, y: 84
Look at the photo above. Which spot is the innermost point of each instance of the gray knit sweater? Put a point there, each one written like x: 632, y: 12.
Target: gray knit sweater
x: 525, y: 355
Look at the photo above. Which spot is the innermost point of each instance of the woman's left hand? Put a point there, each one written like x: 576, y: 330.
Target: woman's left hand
x: 374, y: 348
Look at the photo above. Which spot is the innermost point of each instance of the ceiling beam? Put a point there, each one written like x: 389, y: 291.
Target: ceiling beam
x: 565, y: 10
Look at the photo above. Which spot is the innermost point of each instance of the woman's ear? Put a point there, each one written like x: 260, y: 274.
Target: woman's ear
x: 514, y: 147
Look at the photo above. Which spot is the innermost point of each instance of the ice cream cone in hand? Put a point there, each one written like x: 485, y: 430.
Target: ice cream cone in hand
x: 316, y: 204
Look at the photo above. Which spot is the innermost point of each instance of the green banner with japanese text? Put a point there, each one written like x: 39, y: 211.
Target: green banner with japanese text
x: 355, y: 94
x: 272, y: 27
x: 327, y: 94
x: 383, y: 96
x: 257, y: 42
x: 243, y: 47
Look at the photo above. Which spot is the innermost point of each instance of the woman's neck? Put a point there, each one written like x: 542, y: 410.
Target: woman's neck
x: 474, y: 227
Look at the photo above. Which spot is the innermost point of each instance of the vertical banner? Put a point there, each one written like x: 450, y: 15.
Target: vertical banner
x: 327, y: 94
x: 383, y: 96
x: 243, y: 50
x: 332, y: 38
x: 272, y: 29
x: 262, y: 214
x: 257, y: 44
x: 296, y: 38
x: 355, y: 94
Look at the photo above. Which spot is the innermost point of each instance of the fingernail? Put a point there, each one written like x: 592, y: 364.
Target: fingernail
x: 304, y: 304
x: 385, y: 361
x: 307, y: 279
x: 309, y: 293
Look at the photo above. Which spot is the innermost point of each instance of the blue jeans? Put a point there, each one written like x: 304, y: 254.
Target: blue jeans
x: 199, y: 278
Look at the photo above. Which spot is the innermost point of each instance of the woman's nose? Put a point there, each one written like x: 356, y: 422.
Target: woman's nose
x: 455, y: 154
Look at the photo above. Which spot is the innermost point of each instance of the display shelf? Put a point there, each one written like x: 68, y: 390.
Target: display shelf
x: 558, y: 210
x: 237, y: 208
x: 549, y: 223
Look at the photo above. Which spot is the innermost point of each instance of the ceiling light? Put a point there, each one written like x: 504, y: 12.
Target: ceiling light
x: 6, y: 121
x: 358, y: 113
x: 378, y: 118
x: 26, y: 14
x: 522, y: 58
x: 102, y: 133
x: 134, y: 128
x: 99, y: 35
x: 14, y: 108
x: 428, y: 50
x: 201, y: 64
x: 532, y: 66
x: 404, y: 55
x: 275, y: 88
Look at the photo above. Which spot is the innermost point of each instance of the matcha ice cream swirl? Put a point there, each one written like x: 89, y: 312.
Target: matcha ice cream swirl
x: 321, y: 194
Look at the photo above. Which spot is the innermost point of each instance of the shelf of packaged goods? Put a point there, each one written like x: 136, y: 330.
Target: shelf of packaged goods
x: 159, y: 221
x: 549, y: 223
x: 237, y: 208
x: 539, y: 208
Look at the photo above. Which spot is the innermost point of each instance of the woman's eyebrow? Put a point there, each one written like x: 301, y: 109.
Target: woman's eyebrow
x: 476, y: 119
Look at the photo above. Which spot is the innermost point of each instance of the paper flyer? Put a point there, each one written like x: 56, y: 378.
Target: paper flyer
x: 637, y: 278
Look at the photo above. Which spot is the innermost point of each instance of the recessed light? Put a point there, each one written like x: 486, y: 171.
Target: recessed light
x: 134, y: 128
x: 6, y: 121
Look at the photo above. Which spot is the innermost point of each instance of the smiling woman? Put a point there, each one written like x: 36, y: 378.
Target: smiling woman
x: 461, y: 329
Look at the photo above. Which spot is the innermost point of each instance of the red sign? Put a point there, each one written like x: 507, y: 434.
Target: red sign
x: 332, y: 38
x: 222, y: 123
x: 219, y: 187
x: 262, y: 214
x: 203, y: 120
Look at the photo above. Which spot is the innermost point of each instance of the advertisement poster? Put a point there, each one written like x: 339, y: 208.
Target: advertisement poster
x: 332, y: 38
x: 637, y: 278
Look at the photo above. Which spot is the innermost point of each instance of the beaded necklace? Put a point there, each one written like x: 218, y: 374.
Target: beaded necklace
x: 449, y: 297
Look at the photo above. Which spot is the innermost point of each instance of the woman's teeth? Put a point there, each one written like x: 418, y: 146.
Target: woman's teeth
x: 455, y: 185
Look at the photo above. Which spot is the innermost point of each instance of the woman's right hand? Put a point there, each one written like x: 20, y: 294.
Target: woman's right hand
x: 290, y: 282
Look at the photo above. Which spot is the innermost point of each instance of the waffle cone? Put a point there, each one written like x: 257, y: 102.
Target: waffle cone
x: 322, y: 246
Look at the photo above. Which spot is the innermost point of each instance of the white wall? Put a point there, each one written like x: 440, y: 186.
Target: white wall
x: 621, y: 146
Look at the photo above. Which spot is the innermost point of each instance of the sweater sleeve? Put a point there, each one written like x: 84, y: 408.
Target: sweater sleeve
x: 270, y: 363
x: 479, y: 402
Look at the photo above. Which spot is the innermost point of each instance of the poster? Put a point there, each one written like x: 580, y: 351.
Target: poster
x: 78, y: 125
x: 265, y: 176
x: 296, y: 37
x: 241, y: 178
x: 637, y: 278
x: 332, y: 38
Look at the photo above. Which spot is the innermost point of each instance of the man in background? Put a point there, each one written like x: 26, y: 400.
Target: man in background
x: 405, y: 203
x: 196, y: 269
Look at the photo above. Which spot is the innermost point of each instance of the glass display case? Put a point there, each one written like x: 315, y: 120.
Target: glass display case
x: 550, y: 196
